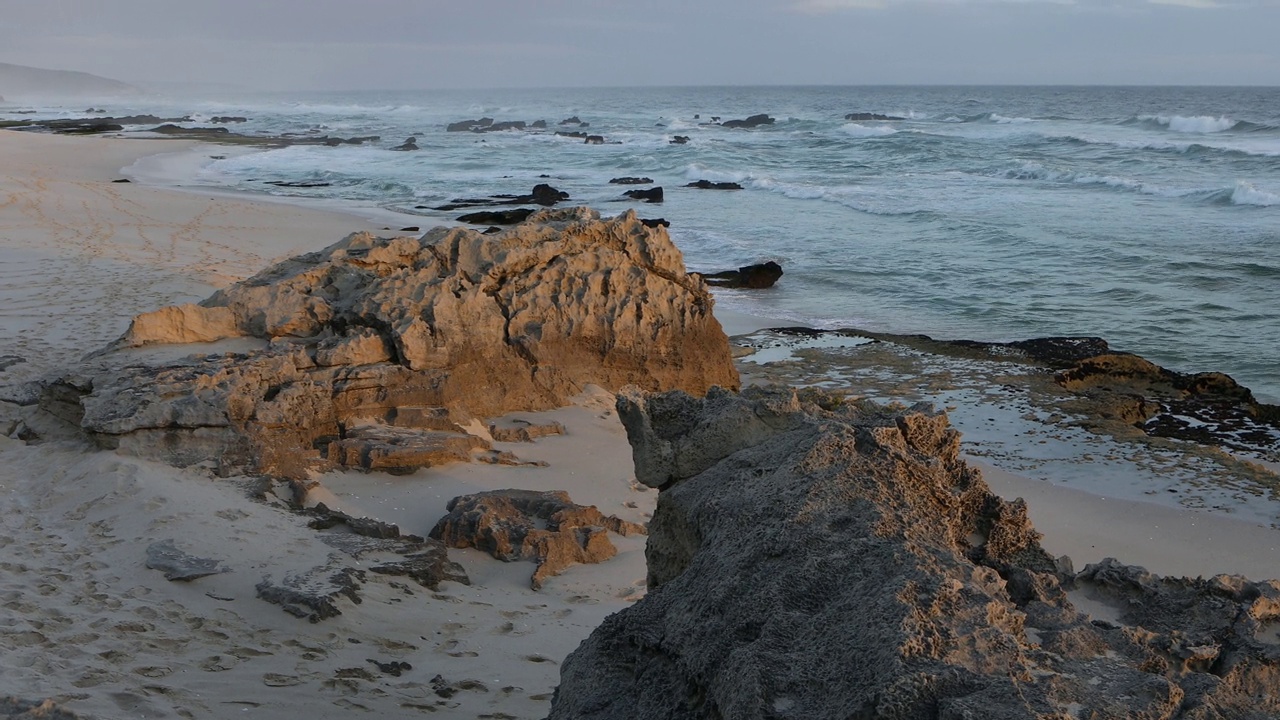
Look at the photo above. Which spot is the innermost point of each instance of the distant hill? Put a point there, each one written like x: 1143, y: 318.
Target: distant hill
x: 20, y: 83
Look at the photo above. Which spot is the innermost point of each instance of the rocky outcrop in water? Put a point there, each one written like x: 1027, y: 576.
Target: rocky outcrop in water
x: 756, y: 277
x: 708, y: 185
x: 750, y: 122
x: 865, y: 116
x: 541, y: 194
x: 545, y: 527
x: 371, y: 353
x: 814, y: 558
x: 649, y: 195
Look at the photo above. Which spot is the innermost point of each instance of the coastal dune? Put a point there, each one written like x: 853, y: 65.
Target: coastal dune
x: 94, y: 628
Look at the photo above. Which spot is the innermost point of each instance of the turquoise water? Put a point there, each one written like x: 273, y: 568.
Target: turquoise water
x: 1148, y: 216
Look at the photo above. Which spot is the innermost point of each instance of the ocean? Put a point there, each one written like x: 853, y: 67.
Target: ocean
x: 1149, y: 216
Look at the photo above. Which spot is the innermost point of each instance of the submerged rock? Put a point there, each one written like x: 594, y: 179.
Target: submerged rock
x: 753, y: 121
x: 541, y: 194
x: 865, y: 116
x: 819, y: 558
x: 373, y: 351
x: 708, y: 185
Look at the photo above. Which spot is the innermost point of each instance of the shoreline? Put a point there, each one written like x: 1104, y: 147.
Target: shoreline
x: 91, y: 254
x: 176, y: 170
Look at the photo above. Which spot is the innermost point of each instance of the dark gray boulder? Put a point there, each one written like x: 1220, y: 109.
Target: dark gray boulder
x: 812, y: 557
x: 756, y: 277
x: 649, y: 195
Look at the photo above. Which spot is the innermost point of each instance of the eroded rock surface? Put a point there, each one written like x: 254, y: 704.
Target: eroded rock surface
x: 178, y: 565
x: 371, y: 352
x: 844, y: 562
x: 361, y: 545
x: 545, y: 527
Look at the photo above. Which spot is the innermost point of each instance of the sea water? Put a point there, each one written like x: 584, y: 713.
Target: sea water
x: 1149, y: 216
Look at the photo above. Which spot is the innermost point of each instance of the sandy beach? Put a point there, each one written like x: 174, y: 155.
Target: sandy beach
x: 90, y: 626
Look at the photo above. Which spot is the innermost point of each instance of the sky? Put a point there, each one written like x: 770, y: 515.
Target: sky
x: 408, y: 44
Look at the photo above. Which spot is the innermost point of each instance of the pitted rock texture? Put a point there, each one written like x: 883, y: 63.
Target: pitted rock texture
x: 846, y: 563
x: 546, y: 527
x: 373, y: 338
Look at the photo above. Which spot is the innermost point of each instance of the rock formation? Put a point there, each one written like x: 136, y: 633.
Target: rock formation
x: 469, y: 125
x: 865, y: 116
x: 372, y: 351
x: 649, y: 195
x: 497, y: 217
x: 541, y: 194
x: 826, y: 559
x: 630, y: 181
x: 753, y: 121
x: 545, y: 527
x: 708, y: 185
x: 756, y: 277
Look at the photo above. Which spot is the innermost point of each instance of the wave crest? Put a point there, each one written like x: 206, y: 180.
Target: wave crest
x: 1192, y: 124
x: 1246, y: 194
x: 863, y: 131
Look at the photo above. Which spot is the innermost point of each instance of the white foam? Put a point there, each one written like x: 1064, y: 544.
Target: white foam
x: 1194, y: 124
x: 698, y: 171
x: 862, y: 131
x: 1246, y: 194
x: 1002, y: 120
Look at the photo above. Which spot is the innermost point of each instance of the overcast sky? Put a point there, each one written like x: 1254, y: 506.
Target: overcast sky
x: 395, y: 44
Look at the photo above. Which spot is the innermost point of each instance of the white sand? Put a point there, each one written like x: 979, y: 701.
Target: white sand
x: 86, y: 623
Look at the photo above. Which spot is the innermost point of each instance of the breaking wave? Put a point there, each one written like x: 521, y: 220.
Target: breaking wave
x: 1242, y: 193
x: 863, y: 131
x: 1195, y: 124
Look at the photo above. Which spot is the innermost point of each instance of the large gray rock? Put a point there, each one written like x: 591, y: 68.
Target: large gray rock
x: 372, y: 340
x: 846, y: 563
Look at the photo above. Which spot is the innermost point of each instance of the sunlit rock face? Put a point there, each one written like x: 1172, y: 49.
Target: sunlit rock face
x: 372, y: 352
